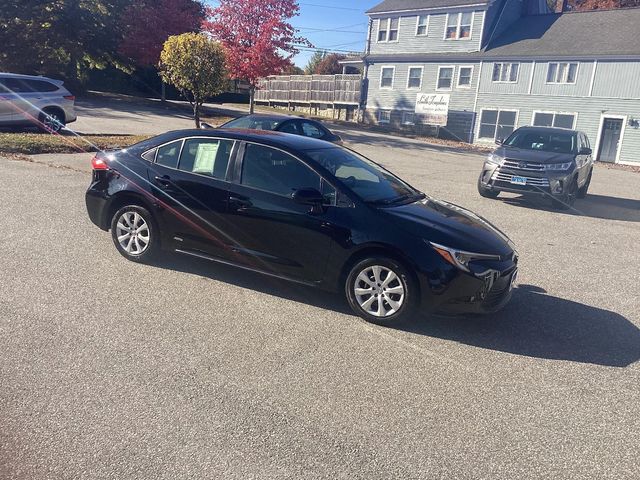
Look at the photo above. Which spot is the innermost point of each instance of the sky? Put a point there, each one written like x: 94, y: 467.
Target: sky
x: 332, y: 25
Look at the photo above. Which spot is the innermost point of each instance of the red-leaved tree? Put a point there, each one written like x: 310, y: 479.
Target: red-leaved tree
x: 257, y: 37
x: 330, y: 64
x: 149, y: 23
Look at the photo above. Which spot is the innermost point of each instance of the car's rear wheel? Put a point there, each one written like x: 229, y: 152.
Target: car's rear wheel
x: 134, y: 233
x: 486, y: 192
x: 51, y: 120
x: 582, y: 191
x: 381, y: 290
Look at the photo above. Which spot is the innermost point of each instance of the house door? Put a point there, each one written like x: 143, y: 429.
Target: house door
x: 610, y: 139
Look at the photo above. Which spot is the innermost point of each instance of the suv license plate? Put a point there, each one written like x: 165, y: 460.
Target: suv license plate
x: 519, y: 180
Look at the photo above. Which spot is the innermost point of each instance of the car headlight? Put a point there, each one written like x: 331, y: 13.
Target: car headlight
x: 460, y: 258
x: 558, y: 166
x: 494, y: 159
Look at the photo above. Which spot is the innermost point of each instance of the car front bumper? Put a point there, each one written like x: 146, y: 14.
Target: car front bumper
x: 501, y: 179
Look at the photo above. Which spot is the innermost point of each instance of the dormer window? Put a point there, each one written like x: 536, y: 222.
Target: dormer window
x: 388, y: 29
x: 423, y: 25
x: 458, y: 26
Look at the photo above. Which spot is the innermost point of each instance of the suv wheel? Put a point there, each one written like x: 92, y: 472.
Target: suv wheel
x: 566, y: 201
x: 485, y: 192
x: 582, y: 191
x: 51, y: 121
x: 381, y: 291
x: 134, y: 233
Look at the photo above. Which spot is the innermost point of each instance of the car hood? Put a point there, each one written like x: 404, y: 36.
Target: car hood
x: 533, y: 155
x: 450, y: 225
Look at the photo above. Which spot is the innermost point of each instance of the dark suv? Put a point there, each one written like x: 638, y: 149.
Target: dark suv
x: 553, y: 162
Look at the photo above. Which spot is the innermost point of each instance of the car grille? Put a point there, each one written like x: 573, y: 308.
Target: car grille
x: 500, y: 176
x: 522, y: 165
x: 497, y: 293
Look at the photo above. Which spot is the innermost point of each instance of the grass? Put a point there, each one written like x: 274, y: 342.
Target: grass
x: 35, y: 143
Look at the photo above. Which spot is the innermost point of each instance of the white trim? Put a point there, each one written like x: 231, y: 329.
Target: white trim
x: 458, y: 26
x: 554, y: 113
x: 533, y: 69
x: 378, y: 111
x: 596, y: 151
x: 464, y: 87
x: 393, y: 77
x: 510, y: 67
x: 475, y: 100
x: 593, y: 77
x: 577, y: 64
x: 487, y: 140
x: 409, y: 77
x: 426, y: 25
x: 453, y: 76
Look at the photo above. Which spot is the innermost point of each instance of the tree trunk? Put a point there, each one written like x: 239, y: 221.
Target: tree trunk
x: 252, y: 94
x: 163, y: 94
x: 196, y: 113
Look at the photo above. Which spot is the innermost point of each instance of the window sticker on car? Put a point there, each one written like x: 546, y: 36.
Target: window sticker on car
x: 205, y: 158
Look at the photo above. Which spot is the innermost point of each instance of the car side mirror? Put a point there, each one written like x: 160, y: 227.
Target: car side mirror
x: 586, y: 151
x: 206, y: 126
x: 499, y: 141
x: 308, y: 196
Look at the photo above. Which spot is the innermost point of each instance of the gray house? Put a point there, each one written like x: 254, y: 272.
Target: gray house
x: 501, y: 64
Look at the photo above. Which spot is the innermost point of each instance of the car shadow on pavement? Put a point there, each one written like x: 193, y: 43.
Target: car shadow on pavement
x: 595, y: 206
x: 535, y: 324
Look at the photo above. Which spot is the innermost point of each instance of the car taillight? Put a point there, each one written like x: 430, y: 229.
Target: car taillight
x: 98, y: 163
x: 70, y: 97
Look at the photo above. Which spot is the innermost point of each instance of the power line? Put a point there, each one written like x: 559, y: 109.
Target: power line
x: 333, y: 7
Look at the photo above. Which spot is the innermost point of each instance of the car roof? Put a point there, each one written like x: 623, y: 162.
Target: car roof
x: 547, y: 129
x: 267, y: 137
x: 29, y: 77
x: 271, y: 116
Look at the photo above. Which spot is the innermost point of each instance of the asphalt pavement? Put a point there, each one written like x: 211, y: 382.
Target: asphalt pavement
x: 183, y: 369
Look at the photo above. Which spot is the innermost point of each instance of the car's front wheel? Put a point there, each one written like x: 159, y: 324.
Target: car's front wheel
x: 134, y: 233
x: 566, y: 201
x: 486, y: 192
x: 582, y: 191
x: 51, y: 121
x: 381, y: 290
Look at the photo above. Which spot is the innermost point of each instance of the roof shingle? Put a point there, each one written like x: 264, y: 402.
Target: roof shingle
x: 400, y: 5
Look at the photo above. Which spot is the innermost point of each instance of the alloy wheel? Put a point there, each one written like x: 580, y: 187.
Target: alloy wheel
x: 52, y: 122
x: 132, y: 232
x: 379, y: 291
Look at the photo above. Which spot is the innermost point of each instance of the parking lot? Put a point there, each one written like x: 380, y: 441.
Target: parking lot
x: 184, y: 369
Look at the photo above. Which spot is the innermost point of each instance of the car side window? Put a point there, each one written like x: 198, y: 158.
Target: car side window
x: 41, y: 86
x: 168, y: 154
x: 206, y: 156
x: 289, y: 127
x: 274, y: 171
x: 311, y: 130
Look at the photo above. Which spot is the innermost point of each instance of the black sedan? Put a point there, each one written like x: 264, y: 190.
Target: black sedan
x: 286, y: 124
x: 303, y: 210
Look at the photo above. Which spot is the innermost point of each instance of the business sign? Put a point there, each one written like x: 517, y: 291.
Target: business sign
x: 433, y: 108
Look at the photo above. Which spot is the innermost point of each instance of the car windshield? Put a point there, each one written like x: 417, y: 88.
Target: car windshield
x: 556, y: 142
x: 369, y: 181
x: 254, y: 123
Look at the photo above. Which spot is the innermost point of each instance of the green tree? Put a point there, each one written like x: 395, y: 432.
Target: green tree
x: 195, y: 65
x: 314, y: 61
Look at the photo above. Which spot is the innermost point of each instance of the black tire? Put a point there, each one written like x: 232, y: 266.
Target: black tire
x: 582, y: 191
x: 137, y: 239
x: 403, y: 277
x: 566, y: 201
x: 51, y: 120
x: 485, y: 192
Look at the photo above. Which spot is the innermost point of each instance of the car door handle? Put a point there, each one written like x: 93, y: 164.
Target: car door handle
x: 164, y: 180
x: 240, y: 203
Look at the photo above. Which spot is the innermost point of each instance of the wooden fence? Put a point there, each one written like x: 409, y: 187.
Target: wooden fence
x: 320, y: 89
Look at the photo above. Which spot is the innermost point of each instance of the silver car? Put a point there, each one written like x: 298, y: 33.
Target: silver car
x: 32, y: 100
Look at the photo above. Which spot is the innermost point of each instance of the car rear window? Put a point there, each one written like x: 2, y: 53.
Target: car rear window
x: 254, y: 123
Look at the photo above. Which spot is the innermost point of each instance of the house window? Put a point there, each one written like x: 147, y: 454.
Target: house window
x: 464, y: 77
x: 445, y: 78
x: 384, y: 116
x: 423, y: 25
x: 386, y: 77
x: 562, y: 72
x: 554, y: 119
x: 505, y: 72
x: 408, y: 118
x: 388, y: 30
x: 496, y: 124
x: 414, y: 81
x: 458, y: 26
